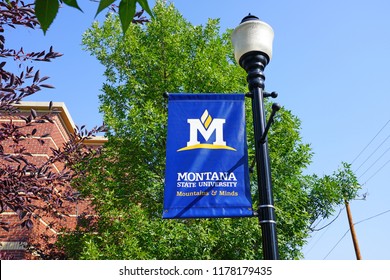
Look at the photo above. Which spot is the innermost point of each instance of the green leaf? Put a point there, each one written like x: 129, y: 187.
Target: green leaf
x: 126, y: 13
x: 103, y: 4
x: 144, y: 4
x: 46, y: 11
x: 73, y: 3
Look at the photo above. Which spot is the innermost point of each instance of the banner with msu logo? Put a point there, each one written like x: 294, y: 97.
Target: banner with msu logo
x: 206, y: 159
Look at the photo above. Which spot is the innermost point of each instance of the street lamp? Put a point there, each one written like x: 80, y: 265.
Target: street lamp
x: 252, y: 42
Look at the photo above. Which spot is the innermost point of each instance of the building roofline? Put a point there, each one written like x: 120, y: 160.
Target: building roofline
x: 96, y: 140
x: 43, y: 106
x: 62, y: 110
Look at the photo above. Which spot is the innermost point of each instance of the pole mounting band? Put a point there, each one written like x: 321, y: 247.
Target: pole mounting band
x: 267, y: 222
x: 266, y: 206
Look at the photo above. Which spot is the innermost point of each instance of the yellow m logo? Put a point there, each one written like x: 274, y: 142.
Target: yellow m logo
x: 206, y: 126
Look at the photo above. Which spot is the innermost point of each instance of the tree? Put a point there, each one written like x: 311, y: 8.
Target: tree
x: 171, y: 55
x: 32, y: 189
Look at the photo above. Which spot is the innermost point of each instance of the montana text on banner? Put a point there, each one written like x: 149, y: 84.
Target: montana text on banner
x: 207, y: 173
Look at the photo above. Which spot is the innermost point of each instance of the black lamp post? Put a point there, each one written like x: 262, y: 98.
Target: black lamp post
x: 252, y: 41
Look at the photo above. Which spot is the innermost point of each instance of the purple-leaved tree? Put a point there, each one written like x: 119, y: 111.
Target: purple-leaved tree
x: 29, y: 188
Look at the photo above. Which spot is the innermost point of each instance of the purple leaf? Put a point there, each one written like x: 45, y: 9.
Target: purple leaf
x: 47, y: 86
x: 34, y: 113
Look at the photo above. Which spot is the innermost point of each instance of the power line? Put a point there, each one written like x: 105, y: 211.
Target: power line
x: 380, y: 145
x: 338, y: 242
x: 315, y: 243
x: 376, y: 172
x: 374, y: 163
x: 370, y: 142
x: 369, y: 218
x: 327, y: 226
x: 314, y: 229
x: 372, y: 217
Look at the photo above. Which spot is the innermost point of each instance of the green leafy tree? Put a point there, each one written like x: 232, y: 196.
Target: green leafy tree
x: 171, y: 55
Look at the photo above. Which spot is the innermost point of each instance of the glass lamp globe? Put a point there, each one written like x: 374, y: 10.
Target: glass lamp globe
x: 252, y: 35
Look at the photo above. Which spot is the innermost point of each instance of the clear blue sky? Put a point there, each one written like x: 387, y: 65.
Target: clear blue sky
x: 330, y: 68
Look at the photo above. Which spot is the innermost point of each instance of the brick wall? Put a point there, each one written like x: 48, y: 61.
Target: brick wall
x: 13, y: 243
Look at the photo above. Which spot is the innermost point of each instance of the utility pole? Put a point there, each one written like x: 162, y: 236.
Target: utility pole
x: 353, y: 233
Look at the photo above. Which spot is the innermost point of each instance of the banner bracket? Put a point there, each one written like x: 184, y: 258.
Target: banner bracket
x: 275, y: 107
x: 272, y: 94
x: 265, y: 94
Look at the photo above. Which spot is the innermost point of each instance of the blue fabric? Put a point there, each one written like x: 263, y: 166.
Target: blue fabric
x: 207, y: 172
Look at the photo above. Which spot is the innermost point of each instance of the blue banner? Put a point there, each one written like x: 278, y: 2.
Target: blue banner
x: 207, y: 173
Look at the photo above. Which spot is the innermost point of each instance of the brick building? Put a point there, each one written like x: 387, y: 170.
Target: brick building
x: 13, y: 243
